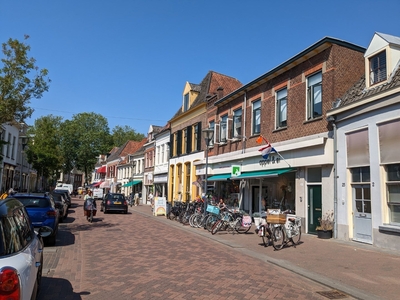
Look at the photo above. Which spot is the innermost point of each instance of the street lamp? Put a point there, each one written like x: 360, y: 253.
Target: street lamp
x: 208, y: 135
x: 24, y: 142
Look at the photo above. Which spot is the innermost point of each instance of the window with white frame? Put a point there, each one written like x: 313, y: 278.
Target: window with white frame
x: 393, y: 192
x: 158, y: 155
x: 162, y: 149
x: 281, y: 108
x: 211, y: 125
x: 223, y: 127
x: 377, y: 68
x: 186, y: 102
x: 256, y: 122
x: 314, y: 96
x: 237, y: 123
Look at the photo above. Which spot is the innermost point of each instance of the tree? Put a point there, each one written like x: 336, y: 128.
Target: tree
x: 92, y: 138
x: 43, y: 150
x: 122, y: 134
x: 20, y: 81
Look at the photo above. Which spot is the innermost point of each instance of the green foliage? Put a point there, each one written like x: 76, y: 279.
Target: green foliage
x: 43, y: 150
x: 91, y: 136
x: 20, y: 81
x: 120, y: 135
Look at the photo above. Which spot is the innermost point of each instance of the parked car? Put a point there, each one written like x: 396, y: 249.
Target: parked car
x: 21, y: 252
x: 61, y: 205
x: 42, y: 211
x: 66, y: 194
x: 114, y: 202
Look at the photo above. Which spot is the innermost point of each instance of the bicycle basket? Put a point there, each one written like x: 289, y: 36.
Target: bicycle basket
x: 213, y: 209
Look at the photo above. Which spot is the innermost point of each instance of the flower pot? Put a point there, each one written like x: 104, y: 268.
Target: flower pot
x: 324, y: 234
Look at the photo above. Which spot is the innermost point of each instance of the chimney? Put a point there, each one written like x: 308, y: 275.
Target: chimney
x: 220, y: 91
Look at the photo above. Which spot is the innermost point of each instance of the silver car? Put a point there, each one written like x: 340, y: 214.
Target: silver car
x: 21, y: 252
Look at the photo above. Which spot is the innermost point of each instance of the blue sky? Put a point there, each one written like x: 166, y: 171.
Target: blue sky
x: 129, y: 60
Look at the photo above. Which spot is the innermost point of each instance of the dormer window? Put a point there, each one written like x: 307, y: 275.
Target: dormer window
x: 377, y: 67
x: 186, y: 102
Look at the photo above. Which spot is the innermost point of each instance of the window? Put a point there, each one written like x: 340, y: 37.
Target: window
x: 314, y: 97
x: 13, y: 148
x: 223, y: 126
x: 179, y: 142
x: 362, y: 192
x: 377, y: 68
x: 256, y: 117
x: 185, y: 141
x: 281, y: 108
x: 393, y: 193
x: 8, y: 145
x: 186, y: 102
x: 237, y: 123
x: 360, y: 174
x: 197, y: 137
x: 211, y: 125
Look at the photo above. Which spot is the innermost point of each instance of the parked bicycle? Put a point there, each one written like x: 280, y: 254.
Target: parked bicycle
x: 288, y: 232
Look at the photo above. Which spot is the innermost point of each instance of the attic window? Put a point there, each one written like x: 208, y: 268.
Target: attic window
x: 377, y: 67
x: 186, y: 102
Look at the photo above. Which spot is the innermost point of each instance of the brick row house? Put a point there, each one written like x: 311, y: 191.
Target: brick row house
x: 186, y: 143
x: 286, y: 107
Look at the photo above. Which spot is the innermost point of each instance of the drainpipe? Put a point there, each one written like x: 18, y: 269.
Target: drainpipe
x: 332, y: 119
x: 244, y: 123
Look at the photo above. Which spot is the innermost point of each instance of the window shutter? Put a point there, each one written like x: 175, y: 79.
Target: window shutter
x: 171, y: 145
x: 199, y: 133
x: 189, y: 140
x: 357, y: 149
x: 179, y: 142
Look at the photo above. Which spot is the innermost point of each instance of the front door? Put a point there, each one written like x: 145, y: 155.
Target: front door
x: 314, y: 207
x: 255, y: 203
x: 362, y: 213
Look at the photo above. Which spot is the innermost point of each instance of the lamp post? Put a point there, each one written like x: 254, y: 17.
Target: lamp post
x: 208, y: 135
x: 24, y: 142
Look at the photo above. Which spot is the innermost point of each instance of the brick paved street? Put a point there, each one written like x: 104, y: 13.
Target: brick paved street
x: 138, y: 256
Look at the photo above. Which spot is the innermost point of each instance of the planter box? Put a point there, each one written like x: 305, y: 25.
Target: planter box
x: 324, y: 234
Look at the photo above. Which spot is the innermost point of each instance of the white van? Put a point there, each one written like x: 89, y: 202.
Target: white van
x: 97, y: 193
x: 65, y: 186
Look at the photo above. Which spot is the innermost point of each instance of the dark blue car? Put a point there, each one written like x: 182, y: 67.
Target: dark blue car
x: 42, y: 211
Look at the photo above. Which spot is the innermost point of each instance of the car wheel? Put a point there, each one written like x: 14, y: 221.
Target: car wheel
x: 51, y: 241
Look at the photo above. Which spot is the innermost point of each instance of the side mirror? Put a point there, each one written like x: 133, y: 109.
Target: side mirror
x: 45, y: 231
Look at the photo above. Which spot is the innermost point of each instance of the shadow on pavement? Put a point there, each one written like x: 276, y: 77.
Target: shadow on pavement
x: 64, y: 290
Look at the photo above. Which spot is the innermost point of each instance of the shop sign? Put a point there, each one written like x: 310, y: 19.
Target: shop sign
x: 272, y: 159
x: 160, y: 206
x: 235, y: 171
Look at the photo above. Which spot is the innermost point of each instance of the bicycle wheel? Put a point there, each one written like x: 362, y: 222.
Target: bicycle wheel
x: 265, y: 236
x: 91, y: 216
x: 296, y: 238
x: 217, y: 225
x: 239, y: 226
x: 191, y: 220
x: 278, y: 237
x: 210, y: 222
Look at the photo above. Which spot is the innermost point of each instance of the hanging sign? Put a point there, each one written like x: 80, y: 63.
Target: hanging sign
x: 235, y: 171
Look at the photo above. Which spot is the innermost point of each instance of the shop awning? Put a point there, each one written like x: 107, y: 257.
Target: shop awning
x: 102, y: 169
x: 261, y: 174
x: 96, y: 184
x: 105, y: 185
x: 219, y: 177
x: 131, y: 183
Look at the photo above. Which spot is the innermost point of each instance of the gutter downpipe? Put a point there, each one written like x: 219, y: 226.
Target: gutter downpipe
x: 335, y: 202
x: 244, y: 123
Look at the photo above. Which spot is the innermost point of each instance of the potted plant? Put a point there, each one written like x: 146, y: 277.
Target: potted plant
x: 325, y: 228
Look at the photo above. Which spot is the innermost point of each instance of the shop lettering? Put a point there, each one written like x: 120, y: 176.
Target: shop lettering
x: 271, y: 160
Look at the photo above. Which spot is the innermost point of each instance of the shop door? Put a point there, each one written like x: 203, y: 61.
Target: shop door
x: 314, y: 207
x: 362, y: 213
x: 255, y: 202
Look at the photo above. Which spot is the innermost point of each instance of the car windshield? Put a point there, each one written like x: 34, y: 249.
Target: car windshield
x: 34, y: 202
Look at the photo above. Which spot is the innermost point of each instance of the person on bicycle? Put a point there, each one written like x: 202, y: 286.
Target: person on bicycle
x: 89, y: 197
x: 221, y: 204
